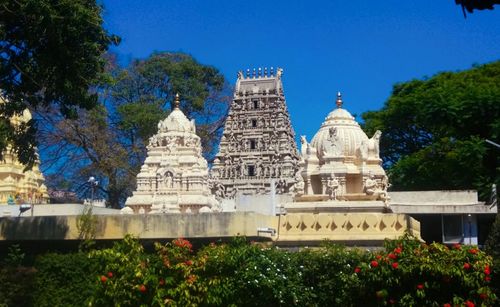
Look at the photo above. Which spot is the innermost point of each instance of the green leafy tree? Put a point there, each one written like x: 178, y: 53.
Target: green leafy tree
x: 434, y: 131
x: 50, y: 55
x: 109, y: 142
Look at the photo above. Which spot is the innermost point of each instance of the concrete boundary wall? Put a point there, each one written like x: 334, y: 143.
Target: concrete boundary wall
x: 144, y: 226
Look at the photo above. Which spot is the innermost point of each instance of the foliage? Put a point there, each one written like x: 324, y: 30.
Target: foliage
x: 143, y: 93
x: 434, y: 131
x: 86, y: 224
x: 15, y: 279
x: 493, y: 249
x: 410, y: 273
x: 63, y: 279
x: 240, y: 274
x: 109, y: 142
x: 50, y: 55
x: 405, y: 273
x: 131, y: 277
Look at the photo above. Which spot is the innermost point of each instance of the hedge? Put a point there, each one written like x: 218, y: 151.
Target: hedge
x: 405, y: 273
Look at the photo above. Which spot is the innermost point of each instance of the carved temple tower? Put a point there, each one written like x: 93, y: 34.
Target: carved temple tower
x: 174, y: 176
x: 258, y: 145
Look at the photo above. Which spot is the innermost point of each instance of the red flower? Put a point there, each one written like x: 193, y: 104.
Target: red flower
x: 466, y: 266
x: 483, y: 296
x: 162, y: 282
x: 374, y: 264
x: 188, y: 262
x: 469, y: 304
x: 473, y: 251
x: 420, y: 286
x: 191, y: 279
x: 378, y: 257
x: 457, y: 246
x: 487, y: 278
x: 487, y: 270
x: 183, y: 243
x: 142, y: 288
x: 357, y: 269
x: 395, y: 265
x: 110, y: 274
x: 398, y: 250
x: 446, y: 305
x: 103, y: 278
x: 392, y: 256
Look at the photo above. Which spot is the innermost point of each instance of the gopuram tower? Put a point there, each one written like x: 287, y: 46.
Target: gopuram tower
x: 258, y: 147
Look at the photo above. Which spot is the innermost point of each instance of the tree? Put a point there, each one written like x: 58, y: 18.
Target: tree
x: 471, y: 5
x: 435, y: 130
x: 145, y: 90
x: 109, y: 142
x: 50, y: 56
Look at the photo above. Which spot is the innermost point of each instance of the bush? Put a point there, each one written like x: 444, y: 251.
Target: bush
x: 63, y: 279
x: 410, y: 273
x: 405, y: 273
x: 131, y: 277
x: 15, y: 279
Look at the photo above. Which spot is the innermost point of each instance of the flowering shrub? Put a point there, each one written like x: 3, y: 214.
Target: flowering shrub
x: 243, y: 274
x: 131, y: 277
x: 405, y: 273
x: 410, y: 273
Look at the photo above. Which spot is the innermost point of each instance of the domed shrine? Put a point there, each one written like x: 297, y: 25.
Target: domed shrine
x: 341, y: 162
x: 173, y: 178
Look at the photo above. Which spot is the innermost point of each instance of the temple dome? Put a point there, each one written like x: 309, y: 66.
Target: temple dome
x: 348, y: 132
x: 176, y: 121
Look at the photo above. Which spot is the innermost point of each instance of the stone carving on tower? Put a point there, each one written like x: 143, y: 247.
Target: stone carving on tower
x: 341, y: 162
x: 258, y: 144
x: 174, y: 176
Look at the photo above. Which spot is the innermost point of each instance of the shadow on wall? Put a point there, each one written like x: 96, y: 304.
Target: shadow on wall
x: 33, y: 228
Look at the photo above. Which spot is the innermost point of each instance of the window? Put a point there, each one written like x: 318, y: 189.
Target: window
x: 254, y: 123
x: 252, y: 144
x: 255, y: 104
x: 251, y: 170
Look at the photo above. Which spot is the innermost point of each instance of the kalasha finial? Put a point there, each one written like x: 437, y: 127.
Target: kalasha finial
x: 339, y: 100
x: 176, y: 101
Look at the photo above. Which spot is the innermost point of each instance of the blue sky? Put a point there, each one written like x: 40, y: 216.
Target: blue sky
x: 361, y: 48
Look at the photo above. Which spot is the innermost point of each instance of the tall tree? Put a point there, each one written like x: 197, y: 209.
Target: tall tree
x: 50, y: 56
x: 435, y: 131
x: 110, y: 141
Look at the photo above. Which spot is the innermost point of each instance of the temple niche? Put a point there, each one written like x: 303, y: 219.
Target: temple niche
x: 174, y: 176
x: 16, y: 185
x: 257, y: 148
x: 341, y: 162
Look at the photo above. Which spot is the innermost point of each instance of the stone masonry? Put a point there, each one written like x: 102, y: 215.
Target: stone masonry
x: 258, y: 145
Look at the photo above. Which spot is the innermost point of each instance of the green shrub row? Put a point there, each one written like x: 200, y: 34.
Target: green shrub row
x: 405, y: 273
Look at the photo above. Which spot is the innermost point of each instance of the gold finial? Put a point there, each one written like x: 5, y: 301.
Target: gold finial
x: 176, y: 102
x: 339, y: 100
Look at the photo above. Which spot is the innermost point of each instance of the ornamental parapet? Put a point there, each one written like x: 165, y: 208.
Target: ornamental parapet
x: 350, y: 228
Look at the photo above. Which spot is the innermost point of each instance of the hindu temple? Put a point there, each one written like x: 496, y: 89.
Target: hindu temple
x: 341, y: 162
x: 174, y: 176
x: 18, y: 186
x: 257, y: 148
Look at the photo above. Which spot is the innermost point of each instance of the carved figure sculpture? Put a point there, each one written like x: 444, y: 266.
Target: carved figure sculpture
x: 298, y: 186
x: 332, y: 186
x: 372, y: 188
x: 335, y: 141
x: 304, y: 145
x: 220, y: 191
x: 169, y: 179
